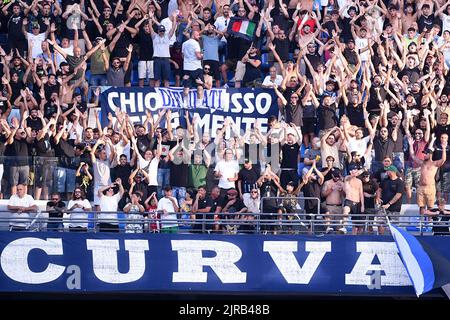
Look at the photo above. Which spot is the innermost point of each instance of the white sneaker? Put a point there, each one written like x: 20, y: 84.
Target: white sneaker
x: 343, y: 230
x: 226, y: 86
x: 329, y: 229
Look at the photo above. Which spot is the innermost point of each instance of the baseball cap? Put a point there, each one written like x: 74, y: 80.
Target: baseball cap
x: 291, y: 183
x: 353, y: 166
x: 161, y: 28
x: 426, y: 151
x: 335, y: 172
x: 366, y: 174
x: 391, y: 168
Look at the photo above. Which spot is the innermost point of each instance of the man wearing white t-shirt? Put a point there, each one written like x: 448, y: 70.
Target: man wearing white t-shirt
x: 34, y: 38
x: 227, y: 171
x: 20, y: 205
x: 192, y: 67
x: 109, y: 202
x: 78, y: 207
x: 358, y: 143
x: 169, y: 207
x: 272, y: 79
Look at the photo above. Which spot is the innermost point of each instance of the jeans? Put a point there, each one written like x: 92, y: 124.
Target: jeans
x: 398, y: 159
x: 64, y: 179
x: 55, y: 226
x: 180, y: 194
x: 163, y: 180
x: 98, y: 80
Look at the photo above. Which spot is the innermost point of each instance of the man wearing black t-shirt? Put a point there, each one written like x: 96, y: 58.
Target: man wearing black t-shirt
x: 290, y: 147
x: 17, y: 149
x: 202, y: 205
x: 391, y: 193
x: 145, y: 64
x: 247, y: 177
x: 327, y: 114
x: 179, y: 158
x: 16, y: 38
x: 55, y: 208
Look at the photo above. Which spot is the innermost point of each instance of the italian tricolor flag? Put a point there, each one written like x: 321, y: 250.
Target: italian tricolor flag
x: 242, y: 28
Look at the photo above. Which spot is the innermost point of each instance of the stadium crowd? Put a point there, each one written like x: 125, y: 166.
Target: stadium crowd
x: 363, y: 96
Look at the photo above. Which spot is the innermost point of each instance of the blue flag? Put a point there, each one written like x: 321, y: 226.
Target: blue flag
x: 426, y: 268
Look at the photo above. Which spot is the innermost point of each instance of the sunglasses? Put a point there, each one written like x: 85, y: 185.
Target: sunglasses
x: 55, y: 199
x: 206, y: 69
x: 254, y: 191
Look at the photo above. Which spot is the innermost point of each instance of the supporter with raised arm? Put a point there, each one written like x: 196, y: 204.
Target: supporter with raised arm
x: 108, y: 203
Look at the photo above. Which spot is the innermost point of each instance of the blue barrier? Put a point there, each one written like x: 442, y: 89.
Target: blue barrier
x: 102, y: 262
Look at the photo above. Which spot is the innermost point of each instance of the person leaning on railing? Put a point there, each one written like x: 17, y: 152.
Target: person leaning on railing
x: 21, y: 205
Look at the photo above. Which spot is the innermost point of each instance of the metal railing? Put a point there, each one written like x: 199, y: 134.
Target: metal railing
x: 252, y: 223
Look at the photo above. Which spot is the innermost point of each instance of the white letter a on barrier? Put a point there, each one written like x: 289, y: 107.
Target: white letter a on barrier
x: 191, y: 261
x: 104, y: 256
x: 282, y: 253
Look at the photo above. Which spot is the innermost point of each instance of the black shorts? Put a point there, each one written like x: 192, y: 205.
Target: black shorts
x: 355, y: 209
x: 214, y: 68
x: 231, y: 64
x: 309, y: 125
x: 193, y: 76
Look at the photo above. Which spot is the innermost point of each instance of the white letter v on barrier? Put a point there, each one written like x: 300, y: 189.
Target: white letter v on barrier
x: 282, y: 253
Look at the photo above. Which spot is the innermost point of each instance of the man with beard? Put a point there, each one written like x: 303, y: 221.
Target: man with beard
x: 78, y: 207
x: 442, y: 127
x: 211, y: 43
x: 201, y: 206
x: 426, y: 192
x: 383, y: 146
x: 377, y: 95
x: 33, y: 121
x: 327, y: 114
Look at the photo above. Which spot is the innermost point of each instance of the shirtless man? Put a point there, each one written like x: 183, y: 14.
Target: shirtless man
x: 354, y: 200
x: 426, y: 192
x: 333, y: 192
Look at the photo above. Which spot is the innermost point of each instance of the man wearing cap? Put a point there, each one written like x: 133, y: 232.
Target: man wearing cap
x: 390, y: 194
x: 426, y: 192
x: 161, y: 52
x: 34, y: 38
x: 333, y: 192
x: 354, y: 200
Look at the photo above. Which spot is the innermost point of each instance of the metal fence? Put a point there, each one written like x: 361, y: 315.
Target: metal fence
x: 247, y: 223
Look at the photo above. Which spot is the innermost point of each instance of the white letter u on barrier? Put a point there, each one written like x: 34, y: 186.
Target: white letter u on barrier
x: 105, y: 264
